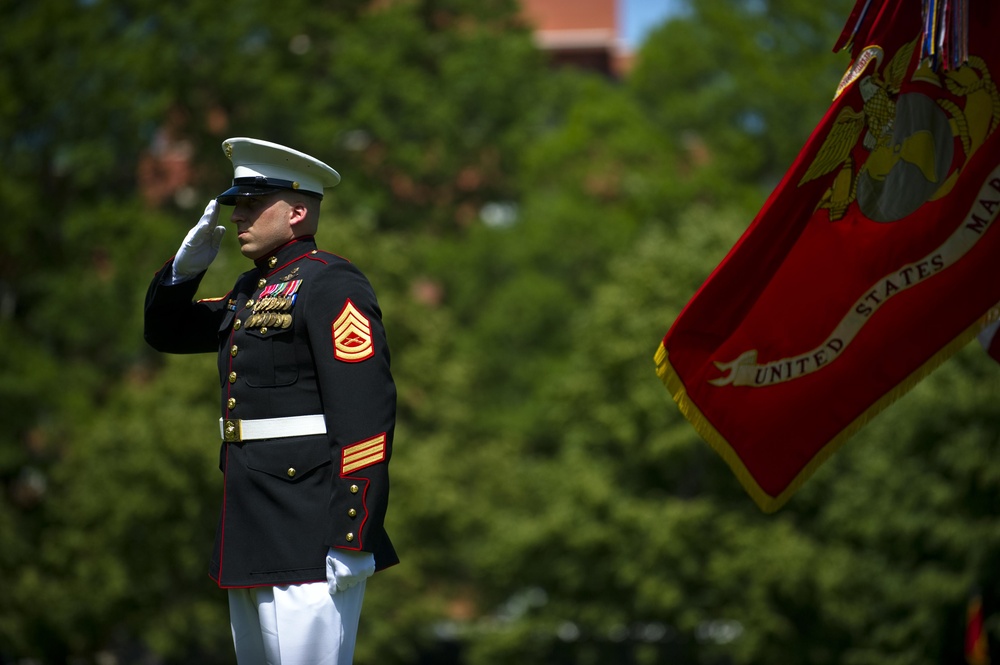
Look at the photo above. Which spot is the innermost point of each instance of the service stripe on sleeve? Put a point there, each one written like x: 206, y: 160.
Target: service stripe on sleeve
x: 362, y: 454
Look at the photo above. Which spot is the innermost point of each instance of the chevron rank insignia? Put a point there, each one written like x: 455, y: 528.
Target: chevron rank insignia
x: 362, y: 454
x: 352, y: 335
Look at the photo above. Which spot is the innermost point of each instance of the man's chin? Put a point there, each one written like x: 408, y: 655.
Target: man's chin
x: 250, y: 252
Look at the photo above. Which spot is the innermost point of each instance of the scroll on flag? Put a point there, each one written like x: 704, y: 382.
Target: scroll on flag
x: 872, y: 262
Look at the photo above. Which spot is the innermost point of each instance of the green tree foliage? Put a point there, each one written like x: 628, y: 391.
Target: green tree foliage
x: 531, y: 234
x: 91, y: 89
x: 747, y: 80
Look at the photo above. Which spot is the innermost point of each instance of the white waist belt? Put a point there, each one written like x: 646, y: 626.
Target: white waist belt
x: 234, y: 429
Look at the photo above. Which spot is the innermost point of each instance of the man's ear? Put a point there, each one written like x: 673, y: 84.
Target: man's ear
x: 298, y: 213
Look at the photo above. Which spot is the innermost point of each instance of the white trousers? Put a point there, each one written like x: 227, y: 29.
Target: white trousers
x: 295, y: 624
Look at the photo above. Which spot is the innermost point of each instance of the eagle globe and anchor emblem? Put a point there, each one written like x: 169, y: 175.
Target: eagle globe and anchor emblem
x: 910, y: 137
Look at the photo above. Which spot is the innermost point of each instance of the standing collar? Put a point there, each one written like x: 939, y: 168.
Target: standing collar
x: 288, y: 252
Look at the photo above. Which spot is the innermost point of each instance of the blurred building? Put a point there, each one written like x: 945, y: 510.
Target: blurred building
x: 164, y: 174
x: 580, y: 33
x: 164, y: 171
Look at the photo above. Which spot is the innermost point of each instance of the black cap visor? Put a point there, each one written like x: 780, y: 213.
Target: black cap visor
x: 259, y: 186
x: 228, y: 197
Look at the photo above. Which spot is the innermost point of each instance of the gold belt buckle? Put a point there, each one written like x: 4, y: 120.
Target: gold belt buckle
x: 232, y: 430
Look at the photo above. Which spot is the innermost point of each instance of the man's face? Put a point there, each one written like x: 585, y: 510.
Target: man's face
x: 262, y: 224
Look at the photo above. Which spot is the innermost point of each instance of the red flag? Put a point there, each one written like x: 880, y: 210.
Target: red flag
x: 976, y: 647
x: 872, y: 262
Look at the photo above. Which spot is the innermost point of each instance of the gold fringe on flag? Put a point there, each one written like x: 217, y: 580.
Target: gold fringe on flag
x: 765, y: 501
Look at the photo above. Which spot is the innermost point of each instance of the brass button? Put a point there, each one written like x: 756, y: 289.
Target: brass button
x: 261, y: 282
x: 249, y: 303
x: 232, y: 377
x: 237, y: 324
x: 263, y: 331
x: 291, y: 472
x: 350, y: 537
x: 354, y: 489
x: 273, y: 261
x: 234, y: 350
x: 231, y: 403
x: 352, y: 513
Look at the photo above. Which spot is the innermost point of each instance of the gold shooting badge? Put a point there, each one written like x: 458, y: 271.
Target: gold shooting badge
x: 352, y: 335
x: 363, y: 454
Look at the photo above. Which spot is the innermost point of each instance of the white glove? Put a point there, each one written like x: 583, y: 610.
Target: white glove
x: 200, y: 246
x: 345, y: 568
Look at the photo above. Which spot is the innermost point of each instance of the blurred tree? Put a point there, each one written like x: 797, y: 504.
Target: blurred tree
x: 634, y: 530
x: 531, y: 235
x: 739, y: 86
x: 110, y: 126
x: 624, y: 534
x: 426, y: 107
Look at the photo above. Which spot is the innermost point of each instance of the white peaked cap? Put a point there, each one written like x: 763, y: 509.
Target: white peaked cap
x: 262, y: 167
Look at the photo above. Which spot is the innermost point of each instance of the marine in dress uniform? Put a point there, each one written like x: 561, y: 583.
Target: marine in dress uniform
x: 307, y: 410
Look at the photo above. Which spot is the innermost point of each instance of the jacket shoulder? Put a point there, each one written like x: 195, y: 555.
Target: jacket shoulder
x: 328, y: 258
x: 329, y: 265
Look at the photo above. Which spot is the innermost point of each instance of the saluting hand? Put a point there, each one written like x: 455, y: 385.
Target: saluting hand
x: 200, y: 246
